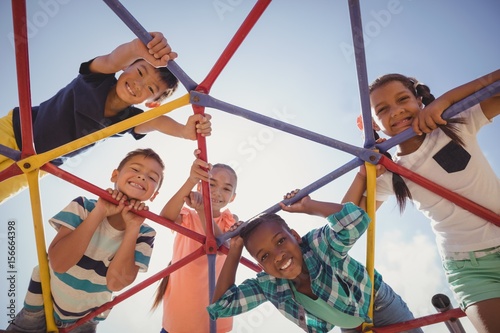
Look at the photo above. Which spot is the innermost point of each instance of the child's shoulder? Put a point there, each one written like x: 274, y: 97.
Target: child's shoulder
x: 147, y: 229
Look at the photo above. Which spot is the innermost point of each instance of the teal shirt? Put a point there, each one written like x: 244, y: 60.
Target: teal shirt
x: 322, y: 310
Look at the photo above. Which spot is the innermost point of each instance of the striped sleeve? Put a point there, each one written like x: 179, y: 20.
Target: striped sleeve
x: 73, y: 214
x: 144, y: 247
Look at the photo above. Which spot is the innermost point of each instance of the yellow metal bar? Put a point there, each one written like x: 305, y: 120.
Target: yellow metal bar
x: 36, y: 209
x: 371, y: 184
x: 36, y: 161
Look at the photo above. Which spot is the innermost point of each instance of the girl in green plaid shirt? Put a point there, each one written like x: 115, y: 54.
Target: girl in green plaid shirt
x: 311, y: 280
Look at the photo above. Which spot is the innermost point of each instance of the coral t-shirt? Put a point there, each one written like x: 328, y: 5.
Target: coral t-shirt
x: 187, y: 295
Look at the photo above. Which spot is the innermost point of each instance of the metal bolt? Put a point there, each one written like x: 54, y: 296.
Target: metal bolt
x: 27, y: 165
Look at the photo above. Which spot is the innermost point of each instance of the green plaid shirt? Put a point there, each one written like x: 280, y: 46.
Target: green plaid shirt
x: 336, y: 278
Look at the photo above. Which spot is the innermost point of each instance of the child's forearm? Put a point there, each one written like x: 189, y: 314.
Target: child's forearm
x: 173, y: 207
x: 356, y: 191
x: 119, y: 59
x: 68, y: 247
x: 456, y: 94
x: 227, y: 276
x: 122, y: 270
x: 163, y: 124
x: 321, y: 208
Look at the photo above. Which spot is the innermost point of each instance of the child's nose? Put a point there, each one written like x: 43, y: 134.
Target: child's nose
x: 397, y: 110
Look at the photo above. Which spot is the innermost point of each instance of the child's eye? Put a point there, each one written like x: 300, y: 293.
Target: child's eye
x: 134, y: 169
x: 151, y: 90
x: 153, y: 179
x: 264, y: 257
x: 281, y: 241
x: 140, y: 72
x: 381, y: 110
x: 403, y: 99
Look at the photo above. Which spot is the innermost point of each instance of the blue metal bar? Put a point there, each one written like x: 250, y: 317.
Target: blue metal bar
x: 13, y: 154
x: 453, y: 110
x: 145, y: 37
x: 209, y: 101
x: 302, y: 193
x: 359, y: 53
x: 211, y: 286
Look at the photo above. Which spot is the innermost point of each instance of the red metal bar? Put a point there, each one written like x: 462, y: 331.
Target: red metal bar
x: 420, y: 322
x: 147, y: 214
x: 457, y: 199
x: 135, y: 289
x: 23, y: 76
x: 243, y: 260
x: 233, y: 45
x: 210, y: 242
x: 12, y: 170
x: 105, y: 195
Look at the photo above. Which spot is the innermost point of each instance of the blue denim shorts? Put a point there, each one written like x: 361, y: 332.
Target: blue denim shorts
x: 475, y: 279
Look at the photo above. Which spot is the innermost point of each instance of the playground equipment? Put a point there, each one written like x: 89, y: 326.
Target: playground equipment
x: 198, y: 96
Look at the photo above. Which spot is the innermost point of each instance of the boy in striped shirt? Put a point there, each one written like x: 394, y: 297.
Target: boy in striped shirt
x: 99, y: 248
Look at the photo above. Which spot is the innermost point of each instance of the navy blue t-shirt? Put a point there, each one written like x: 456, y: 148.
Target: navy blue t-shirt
x: 75, y: 111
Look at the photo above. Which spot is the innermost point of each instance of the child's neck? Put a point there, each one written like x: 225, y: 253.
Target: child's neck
x: 116, y: 221
x: 411, y: 145
x: 302, y: 284
x: 114, y: 104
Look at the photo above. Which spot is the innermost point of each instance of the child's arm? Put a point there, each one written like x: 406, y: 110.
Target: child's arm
x: 157, y: 52
x: 173, y: 207
x: 68, y: 246
x: 356, y: 192
x: 227, y: 276
x: 312, y: 207
x: 123, y: 270
x: 430, y: 117
x: 196, y: 124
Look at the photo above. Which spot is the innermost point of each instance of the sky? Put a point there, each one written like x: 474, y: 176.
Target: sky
x: 296, y: 65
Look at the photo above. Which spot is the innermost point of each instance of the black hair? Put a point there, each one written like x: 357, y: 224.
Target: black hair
x: 171, y: 81
x: 254, y: 223
x: 419, y: 90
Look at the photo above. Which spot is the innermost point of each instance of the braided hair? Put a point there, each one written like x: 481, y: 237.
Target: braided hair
x: 419, y: 90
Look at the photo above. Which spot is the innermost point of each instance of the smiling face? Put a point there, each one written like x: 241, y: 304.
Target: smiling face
x: 394, y: 107
x: 139, y: 178
x: 139, y: 83
x: 276, y: 249
x: 222, y: 188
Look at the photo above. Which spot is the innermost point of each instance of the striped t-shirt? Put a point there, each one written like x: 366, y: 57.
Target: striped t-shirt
x: 83, y: 287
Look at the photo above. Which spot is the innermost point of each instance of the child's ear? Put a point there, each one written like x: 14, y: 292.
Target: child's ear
x: 296, y: 236
x: 114, y: 175
x: 375, y: 126
x: 233, y: 197
x: 154, y: 196
x: 152, y: 104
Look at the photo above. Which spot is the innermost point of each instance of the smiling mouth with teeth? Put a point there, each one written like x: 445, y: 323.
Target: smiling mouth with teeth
x: 129, y: 89
x: 287, y: 264
x: 136, y: 185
